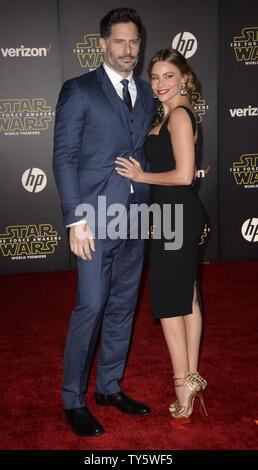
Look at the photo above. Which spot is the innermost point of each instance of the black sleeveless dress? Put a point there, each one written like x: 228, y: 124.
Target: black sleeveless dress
x: 173, y: 273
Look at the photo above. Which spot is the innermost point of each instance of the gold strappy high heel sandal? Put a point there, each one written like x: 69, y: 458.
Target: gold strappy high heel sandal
x: 200, y: 379
x: 173, y: 407
x: 182, y: 415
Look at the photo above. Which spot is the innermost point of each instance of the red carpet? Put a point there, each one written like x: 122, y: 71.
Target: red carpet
x: 35, y: 314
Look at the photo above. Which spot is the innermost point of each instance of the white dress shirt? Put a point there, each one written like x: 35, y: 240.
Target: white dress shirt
x: 115, y: 79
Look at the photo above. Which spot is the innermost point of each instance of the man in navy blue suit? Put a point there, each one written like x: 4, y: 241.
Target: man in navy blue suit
x: 101, y: 115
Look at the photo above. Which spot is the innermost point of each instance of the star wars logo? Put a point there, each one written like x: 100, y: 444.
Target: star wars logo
x: 158, y: 116
x: 245, y: 171
x: 246, y: 46
x: 204, y: 235
x: 89, y: 52
x: 26, y: 116
x: 199, y: 105
x: 21, y: 242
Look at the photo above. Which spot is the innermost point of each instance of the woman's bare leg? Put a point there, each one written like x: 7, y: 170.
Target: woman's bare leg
x: 174, y: 331
x: 193, y: 324
x: 182, y: 335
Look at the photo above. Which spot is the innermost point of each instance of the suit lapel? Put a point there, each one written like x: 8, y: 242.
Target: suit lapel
x: 141, y: 96
x: 117, y: 104
x: 111, y: 95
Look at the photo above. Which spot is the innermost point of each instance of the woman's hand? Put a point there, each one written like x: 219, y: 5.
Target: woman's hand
x: 130, y: 169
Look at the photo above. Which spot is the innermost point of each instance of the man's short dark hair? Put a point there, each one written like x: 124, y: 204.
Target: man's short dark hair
x: 119, y: 15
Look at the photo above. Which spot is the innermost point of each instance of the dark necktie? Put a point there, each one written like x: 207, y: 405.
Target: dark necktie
x: 126, y: 94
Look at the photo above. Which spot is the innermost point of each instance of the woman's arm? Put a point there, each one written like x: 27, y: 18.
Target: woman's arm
x: 180, y: 128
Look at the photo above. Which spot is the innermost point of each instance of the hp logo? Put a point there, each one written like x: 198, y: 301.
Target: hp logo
x: 186, y: 43
x: 250, y: 230
x: 34, y: 180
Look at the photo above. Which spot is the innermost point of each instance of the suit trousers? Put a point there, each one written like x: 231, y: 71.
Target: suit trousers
x: 106, y: 294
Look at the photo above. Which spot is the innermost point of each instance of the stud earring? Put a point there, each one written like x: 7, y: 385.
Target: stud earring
x: 183, y: 91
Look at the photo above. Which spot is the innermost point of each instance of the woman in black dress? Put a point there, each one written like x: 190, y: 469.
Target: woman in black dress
x: 174, y: 293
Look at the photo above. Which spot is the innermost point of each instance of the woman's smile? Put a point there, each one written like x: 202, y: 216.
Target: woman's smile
x: 163, y: 91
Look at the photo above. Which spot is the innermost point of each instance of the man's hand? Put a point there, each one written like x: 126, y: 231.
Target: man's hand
x: 81, y: 241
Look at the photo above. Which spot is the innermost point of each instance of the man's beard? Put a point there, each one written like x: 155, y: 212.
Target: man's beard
x: 119, y: 67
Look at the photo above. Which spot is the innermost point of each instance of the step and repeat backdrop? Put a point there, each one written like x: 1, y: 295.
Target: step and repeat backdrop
x: 238, y: 125
x: 45, y: 42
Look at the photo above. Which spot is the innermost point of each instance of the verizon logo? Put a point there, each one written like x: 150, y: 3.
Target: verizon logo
x: 203, y: 173
x: 25, y: 51
x: 240, y: 112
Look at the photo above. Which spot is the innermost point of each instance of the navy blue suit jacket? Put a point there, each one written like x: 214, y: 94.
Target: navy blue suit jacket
x: 91, y: 130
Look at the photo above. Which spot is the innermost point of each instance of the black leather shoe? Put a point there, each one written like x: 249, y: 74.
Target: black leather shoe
x: 83, y: 423
x: 123, y: 403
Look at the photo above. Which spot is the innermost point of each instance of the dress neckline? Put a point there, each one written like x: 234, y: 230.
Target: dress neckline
x: 180, y: 106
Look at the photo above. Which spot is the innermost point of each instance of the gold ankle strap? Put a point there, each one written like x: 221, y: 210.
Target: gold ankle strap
x: 188, y: 381
x: 199, y: 379
x: 179, y: 378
